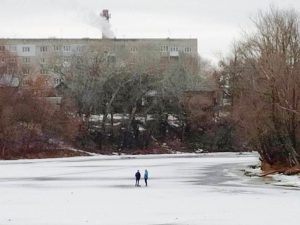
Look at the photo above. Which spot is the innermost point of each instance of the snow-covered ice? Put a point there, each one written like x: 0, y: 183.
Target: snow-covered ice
x: 204, y: 189
x: 283, y: 180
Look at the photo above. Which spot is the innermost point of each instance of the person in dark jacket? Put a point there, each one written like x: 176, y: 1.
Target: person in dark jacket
x: 146, y: 177
x: 137, y: 178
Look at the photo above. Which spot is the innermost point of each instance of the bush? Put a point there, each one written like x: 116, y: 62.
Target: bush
x: 216, y: 137
x: 28, y: 122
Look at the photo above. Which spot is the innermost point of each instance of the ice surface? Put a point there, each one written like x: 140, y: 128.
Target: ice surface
x: 204, y: 189
x: 283, y: 180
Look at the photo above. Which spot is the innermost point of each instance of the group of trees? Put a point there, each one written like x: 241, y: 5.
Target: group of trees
x: 31, y: 123
x: 128, y: 103
x: 110, y: 101
x: 28, y: 120
x: 262, y: 80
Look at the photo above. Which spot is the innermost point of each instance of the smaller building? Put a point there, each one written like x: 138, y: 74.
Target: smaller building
x: 201, y: 107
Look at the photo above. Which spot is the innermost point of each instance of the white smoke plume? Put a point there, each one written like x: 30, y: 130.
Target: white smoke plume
x: 100, y: 23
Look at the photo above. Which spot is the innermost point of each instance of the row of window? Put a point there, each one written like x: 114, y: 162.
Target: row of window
x: 7, y: 60
x: 133, y: 49
x: 26, y: 49
x: 65, y: 48
x: 166, y: 48
x: 11, y: 48
x: 27, y: 60
x: 11, y: 71
x: 174, y: 49
x: 56, y: 81
x: 26, y: 71
x: 187, y: 49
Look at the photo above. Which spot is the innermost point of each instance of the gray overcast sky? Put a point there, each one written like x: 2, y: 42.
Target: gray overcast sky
x: 216, y: 23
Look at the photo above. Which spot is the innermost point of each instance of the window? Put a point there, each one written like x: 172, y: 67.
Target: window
x: 57, y: 48
x: 11, y: 70
x: 133, y: 49
x: 164, y: 48
x: 26, y: 49
x: 43, y: 71
x: 188, y: 49
x: 43, y: 49
x: 67, y: 48
x: 26, y: 71
x: 67, y: 59
x: 66, y: 62
x: 26, y: 82
x: 106, y: 51
x: 80, y: 48
x: 174, y: 49
x: 57, y: 81
x: 79, y: 59
x: 111, y: 59
x: 26, y: 60
x: 12, y: 60
x: 42, y: 60
x: 2, y: 48
x: 13, y: 48
x: 56, y: 69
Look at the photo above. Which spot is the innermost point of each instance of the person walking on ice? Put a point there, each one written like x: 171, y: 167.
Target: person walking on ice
x: 137, y: 178
x: 146, y: 177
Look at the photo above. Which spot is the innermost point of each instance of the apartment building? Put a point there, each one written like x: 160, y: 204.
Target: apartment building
x: 34, y: 56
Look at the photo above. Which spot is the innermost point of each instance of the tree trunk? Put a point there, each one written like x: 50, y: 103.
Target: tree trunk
x: 112, y: 125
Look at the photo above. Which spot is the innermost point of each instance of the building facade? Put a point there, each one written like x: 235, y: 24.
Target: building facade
x: 35, y: 56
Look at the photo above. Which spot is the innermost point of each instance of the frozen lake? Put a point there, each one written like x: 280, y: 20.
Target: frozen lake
x: 206, y: 189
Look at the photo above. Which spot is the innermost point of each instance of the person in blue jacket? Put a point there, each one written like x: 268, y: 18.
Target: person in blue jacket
x: 146, y: 177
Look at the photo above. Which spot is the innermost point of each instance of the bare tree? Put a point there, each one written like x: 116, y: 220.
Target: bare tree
x: 264, y: 84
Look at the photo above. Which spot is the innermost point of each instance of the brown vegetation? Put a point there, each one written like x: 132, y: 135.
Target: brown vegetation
x: 200, y: 107
x: 263, y: 74
x: 28, y: 123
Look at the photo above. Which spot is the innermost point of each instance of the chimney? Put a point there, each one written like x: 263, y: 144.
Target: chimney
x: 106, y: 26
x: 105, y: 14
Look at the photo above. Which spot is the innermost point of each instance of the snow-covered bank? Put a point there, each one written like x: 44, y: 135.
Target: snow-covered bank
x: 276, y: 179
x: 284, y: 180
x: 183, y: 189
